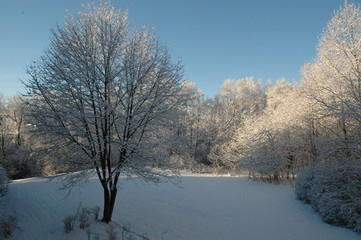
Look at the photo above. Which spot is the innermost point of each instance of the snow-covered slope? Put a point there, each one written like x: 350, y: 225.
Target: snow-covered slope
x: 204, y: 207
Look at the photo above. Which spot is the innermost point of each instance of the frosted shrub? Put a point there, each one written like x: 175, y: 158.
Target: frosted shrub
x: 334, y: 191
x: 112, y: 233
x: 4, y: 180
x: 84, y: 218
x: 304, y: 183
x: 69, y: 223
x: 8, y: 225
x: 95, y: 210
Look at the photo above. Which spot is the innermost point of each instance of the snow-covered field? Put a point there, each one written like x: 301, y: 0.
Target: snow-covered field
x: 204, y: 207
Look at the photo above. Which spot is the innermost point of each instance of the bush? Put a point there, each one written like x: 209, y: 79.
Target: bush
x: 18, y: 163
x: 95, y: 210
x: 8, y: 225
x: 334, y: 191
x: 4, y: 180
x: 112, y: 233
x: 84, y: 218
x: 304, y: 183
x: 69, y: 222
x: 21, y: 170
x: 84, y: 215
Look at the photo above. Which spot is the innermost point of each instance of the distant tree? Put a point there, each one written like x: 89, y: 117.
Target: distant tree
x: 195, y: 132
x: 16, y: 113
x: 333, y: 80
x: 100, y: 94
x: 236, y: 101
x: 278, y: 141
x: 13, y: 157
x: 2, y: 125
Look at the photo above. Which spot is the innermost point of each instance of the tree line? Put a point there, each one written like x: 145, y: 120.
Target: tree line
x: 277, y: 130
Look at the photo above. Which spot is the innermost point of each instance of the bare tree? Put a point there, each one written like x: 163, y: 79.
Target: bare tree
x: 99, y: 95
x: 2, y: 125
x: 16, y: 111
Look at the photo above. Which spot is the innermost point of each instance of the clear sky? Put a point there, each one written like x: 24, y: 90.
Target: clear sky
x: 215, y: 39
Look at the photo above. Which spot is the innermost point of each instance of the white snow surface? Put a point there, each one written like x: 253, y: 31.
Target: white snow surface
x: 201, y: 207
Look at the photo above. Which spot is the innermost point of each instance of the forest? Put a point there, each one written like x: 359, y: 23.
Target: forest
x: 146, y: 117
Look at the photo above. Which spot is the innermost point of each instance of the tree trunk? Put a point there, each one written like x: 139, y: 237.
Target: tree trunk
x: 2, y: 140
x: 109, y: 201
x: 18, y: 142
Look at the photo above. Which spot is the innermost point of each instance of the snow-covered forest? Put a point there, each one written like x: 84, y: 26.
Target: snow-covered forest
x: 107, y: 98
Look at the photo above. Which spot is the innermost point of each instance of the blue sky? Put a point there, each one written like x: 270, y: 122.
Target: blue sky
x: 215, y: 39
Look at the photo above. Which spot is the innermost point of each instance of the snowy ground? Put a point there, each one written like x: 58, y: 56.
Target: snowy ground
x: 206, y: 207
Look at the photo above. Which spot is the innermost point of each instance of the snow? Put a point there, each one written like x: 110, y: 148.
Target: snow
x: 201, y: 207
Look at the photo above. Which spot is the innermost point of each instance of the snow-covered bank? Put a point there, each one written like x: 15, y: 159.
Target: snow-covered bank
x: 204, y: 207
